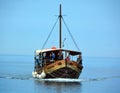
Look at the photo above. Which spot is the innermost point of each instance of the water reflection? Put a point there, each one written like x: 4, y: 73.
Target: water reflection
x: 58, y: 87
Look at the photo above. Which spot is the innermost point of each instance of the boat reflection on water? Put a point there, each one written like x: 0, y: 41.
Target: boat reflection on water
x: 60, y: 85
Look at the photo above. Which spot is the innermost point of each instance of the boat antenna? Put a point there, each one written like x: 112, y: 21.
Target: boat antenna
x: 63, y: 42
x: 60, y: 27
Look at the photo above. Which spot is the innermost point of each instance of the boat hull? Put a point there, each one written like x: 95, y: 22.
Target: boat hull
x: 62, y: 69
x: 63, y: 73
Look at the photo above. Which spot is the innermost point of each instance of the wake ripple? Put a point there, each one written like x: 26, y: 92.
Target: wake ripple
x: 62, y: 80
x: 77, y: 80
x: 29, y: 77
x: 18, y: 77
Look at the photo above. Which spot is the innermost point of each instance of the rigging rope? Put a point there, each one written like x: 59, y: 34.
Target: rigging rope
x: 67, y: 30
x: 70, y: 34
x: 50, y: 33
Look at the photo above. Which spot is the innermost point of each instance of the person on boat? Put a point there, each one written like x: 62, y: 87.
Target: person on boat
x: 67, y: 58
x: 36, y: 61
x: 44, y: 55
x: 41, y: 58
x: 53, y: 55
x: 60, y: 55
x: 79, y: 59
x: 50, y: 56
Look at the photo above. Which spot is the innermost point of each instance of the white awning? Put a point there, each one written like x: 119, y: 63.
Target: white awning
x: 72, y: 52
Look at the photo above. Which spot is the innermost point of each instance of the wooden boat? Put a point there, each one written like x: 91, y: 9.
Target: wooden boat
x: 57, y: 62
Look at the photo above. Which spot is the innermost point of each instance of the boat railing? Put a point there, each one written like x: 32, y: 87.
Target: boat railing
x: 42, y: 61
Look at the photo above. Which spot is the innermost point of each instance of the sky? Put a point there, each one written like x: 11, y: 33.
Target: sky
x: 94, y: 24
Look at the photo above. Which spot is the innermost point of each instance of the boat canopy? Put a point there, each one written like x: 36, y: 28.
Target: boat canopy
x: 71, y: 52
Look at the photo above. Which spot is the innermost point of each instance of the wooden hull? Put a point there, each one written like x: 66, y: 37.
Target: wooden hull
x: 62, y: 69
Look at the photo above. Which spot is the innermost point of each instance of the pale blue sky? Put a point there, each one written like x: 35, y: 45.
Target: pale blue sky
x: 95, y: 25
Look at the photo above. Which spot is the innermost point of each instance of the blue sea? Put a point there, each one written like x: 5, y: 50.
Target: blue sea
x: 99, y: 75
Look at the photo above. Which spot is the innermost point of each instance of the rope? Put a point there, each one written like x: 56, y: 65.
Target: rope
x: 70, y: 34
x: 67, y: 30
x: 50, y: 33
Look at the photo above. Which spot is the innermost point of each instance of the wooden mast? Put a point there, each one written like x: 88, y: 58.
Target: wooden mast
x: 60, y: 27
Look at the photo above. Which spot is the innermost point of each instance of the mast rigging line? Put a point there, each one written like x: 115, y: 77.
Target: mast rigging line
x: 70, y: 34
x: 67, y: 30
x: 50, y: 33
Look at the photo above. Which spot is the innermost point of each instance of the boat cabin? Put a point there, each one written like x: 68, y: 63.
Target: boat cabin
x: 48, y: 56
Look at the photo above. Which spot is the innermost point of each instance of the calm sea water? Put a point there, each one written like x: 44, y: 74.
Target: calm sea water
x: 99, y: 75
